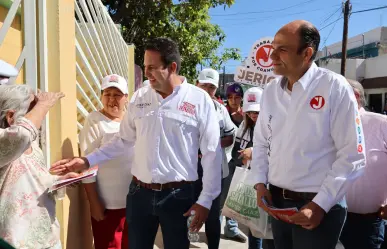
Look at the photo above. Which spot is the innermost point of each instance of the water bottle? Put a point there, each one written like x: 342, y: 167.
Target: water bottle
x: 192, y: 236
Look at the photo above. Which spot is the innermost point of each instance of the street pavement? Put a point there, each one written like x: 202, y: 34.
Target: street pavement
x: 224, y: 243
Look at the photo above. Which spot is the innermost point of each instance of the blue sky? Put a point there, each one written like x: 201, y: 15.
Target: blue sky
x: 243, y: 29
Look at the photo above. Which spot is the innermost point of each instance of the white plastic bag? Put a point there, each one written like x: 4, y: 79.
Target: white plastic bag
x: 241, y: 205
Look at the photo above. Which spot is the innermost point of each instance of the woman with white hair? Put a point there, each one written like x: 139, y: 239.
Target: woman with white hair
x: 27, y: 210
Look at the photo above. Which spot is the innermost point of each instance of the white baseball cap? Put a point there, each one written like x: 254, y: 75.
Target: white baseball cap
x: 252, y: 100
x: 7, y: 71
x: 209, y: 75
x: 116, y: 81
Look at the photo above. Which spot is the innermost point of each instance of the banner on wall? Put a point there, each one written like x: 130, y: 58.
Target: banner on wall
x: 258, y: 68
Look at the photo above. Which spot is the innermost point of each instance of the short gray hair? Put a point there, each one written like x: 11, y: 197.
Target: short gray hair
x: 16, y: 98
x: 357, y: 86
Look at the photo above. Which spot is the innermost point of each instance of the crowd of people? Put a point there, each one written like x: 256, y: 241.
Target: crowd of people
x: 172, y: 149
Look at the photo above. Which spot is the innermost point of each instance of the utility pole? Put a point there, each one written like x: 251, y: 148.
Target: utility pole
x: 347, y: 9
x: 224, y: 77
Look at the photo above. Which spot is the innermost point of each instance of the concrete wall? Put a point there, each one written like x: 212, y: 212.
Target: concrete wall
x: 376, y: 35
x: 355, y: 68
x: 376, y: 67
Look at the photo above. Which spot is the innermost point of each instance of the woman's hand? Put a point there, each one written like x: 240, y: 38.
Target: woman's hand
x: 68, y: 176
x: 97, y: 210
x: 246, y: 154
x: 48, y: 99
x: 40, y: 105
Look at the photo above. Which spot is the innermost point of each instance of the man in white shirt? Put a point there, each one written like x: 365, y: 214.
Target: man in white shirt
x: 208, y: 80
x: 306, y: 142
x: 367, y: 196
x: 167, y: 122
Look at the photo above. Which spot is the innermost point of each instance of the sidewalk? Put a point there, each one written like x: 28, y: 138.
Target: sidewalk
x: 224, y: 243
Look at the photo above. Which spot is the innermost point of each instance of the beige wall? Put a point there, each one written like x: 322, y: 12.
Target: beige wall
x: 72, y: 212
x: 12, y: 46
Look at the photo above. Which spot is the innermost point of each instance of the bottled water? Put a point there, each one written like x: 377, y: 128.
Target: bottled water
x: 192, y: 236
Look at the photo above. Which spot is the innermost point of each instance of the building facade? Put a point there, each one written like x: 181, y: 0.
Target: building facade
x: 366, y: 63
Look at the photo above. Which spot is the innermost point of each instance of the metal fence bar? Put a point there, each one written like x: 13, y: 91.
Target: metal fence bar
x: 43, y: 75
x: 9, y: 19
x: 19, y: 63
x: 94, y: 47
x: 84, y: 95
x: 82, y: 109
x: 88, y: 50
x: 83, y: 76
x: 117, y: 33
x: 87, y: 64
x: 102, y: 34
x: 30, y: 41
x: 94, y: 30
x: 80, y: 127
x: 100, y: 50
x: 109, y: 34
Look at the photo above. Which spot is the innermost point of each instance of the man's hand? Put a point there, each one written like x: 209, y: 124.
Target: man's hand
x: 65, y: 166
x: 97, y: 211
x: 309, y: 217
x: 201, y: 214
x: 382, y: 213
x: 263, y: 192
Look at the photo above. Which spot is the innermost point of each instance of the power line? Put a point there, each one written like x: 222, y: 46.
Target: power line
x: 366, y: 10
x: 329, y: 17
x: 331, y: 23
x: 271, y: 18
x: 267, y: 11
x: 330, y: 32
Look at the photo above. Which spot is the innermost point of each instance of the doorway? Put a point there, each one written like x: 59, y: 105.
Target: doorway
x: 375, y: 102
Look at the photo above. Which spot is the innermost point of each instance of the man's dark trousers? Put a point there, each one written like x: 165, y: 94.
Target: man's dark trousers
x: 146, y: 209
x: 362, y: 231
x: 291, y: 236
x: 213, y: 223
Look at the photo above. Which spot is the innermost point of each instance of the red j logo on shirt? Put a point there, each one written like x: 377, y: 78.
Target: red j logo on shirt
x: 359, y: 148
x: 317, y: 102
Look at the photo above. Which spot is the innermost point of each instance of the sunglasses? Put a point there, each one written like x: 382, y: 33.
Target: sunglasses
x: 256, y: 113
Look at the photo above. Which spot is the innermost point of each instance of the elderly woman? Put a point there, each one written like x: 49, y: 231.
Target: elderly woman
x: 27, y: 210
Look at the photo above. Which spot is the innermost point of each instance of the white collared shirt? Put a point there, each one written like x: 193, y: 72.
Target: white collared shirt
x: 311, y: 140
x: 167, y: 135
x: 227, y: 128
x: 369, y: 192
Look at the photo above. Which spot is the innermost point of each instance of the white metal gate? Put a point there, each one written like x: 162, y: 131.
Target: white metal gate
x: 100, y: 50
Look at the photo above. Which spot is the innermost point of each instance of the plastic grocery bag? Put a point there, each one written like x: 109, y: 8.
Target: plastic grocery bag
x: 241, y: 205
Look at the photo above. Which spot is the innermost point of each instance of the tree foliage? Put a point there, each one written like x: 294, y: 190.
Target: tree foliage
x: 185, y: 21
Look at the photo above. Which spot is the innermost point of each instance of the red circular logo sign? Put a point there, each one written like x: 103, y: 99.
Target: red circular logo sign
x: 360, y: 148
x: 263, y: 56
x: 317, y: 102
